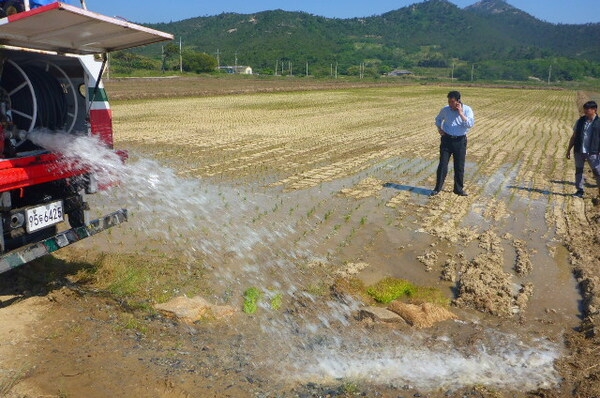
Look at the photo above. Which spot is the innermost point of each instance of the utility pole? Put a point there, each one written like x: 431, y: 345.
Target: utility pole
x: 306, y: 68
x: 180, y: 57
x: 472, y: 71
x: 549, y: 73
x: 218, y: 59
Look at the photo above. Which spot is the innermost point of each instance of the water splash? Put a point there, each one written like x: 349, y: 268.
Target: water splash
x: 502, y: 362
x: 196, y: 217
x: 193, y: 217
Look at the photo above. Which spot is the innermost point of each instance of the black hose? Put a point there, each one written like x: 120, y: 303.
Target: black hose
x: 49, y: 94
x: 51, y: 101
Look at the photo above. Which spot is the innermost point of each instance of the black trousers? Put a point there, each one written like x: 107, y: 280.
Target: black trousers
x: 457, y: 148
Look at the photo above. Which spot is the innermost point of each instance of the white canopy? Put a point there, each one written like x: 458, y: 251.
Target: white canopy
x: 64, y: 28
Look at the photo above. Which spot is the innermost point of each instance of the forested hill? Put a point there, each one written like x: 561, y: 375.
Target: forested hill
x: 431, y: 33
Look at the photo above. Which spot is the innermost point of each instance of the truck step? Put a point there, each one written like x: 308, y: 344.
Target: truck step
x: 32, y: 251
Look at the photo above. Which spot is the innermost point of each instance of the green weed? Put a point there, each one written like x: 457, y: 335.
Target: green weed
x: 251, y: 299
x: 277, y: 301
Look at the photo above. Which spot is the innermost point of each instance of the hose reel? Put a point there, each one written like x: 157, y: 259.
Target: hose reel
x: 41, y: 96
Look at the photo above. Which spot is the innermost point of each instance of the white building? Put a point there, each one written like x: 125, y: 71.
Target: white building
x: 240, y: 69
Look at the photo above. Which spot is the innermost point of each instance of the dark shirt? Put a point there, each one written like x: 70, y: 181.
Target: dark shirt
x: 593, y: 145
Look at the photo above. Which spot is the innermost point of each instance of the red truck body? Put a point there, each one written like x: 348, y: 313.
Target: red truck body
x: 52, y: 58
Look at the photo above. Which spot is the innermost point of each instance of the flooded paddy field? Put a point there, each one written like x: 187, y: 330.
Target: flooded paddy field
x: 301, y: 194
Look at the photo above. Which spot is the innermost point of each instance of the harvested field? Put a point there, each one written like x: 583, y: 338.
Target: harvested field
x: 309, y: 196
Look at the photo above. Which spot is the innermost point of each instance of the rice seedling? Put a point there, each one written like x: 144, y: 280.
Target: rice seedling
x: 251, y: 298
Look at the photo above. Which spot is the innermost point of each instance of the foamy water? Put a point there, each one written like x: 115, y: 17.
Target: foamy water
x: 503, y: 363
x: 200, y: 218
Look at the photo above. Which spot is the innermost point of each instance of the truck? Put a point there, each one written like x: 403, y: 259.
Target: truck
x: 52, y: 59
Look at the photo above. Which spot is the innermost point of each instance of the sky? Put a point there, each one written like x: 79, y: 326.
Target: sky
x: 154, y: 11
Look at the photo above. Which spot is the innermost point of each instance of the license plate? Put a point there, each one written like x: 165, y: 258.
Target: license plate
x: 43, y: 216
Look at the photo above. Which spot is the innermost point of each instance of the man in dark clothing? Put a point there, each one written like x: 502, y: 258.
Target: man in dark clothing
x: 586, y: 141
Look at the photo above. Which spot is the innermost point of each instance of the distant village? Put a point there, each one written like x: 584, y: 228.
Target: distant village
x: 247, y: 70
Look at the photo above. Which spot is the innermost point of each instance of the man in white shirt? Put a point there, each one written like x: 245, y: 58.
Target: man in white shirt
x: 453, y: 123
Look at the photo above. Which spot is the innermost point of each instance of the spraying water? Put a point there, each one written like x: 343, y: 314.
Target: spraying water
x: 199, y: 218
x: 163, y: 204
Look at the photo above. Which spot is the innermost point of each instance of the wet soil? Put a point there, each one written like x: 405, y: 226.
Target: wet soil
x: 518, y: 258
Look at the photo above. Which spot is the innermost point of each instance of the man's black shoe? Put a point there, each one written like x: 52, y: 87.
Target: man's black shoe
x: 462, y: 193
x: 433, y: 193
x: 579, y: 193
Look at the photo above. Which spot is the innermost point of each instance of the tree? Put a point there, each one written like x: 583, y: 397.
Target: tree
x: 168, y: 52
x: 126, y: 62
x: 193, y: 61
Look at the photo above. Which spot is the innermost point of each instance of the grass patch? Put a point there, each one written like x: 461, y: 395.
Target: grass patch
x: 137, y: 279
x: 429, y: 295
x: 128, y: 281
x: 389, y: 289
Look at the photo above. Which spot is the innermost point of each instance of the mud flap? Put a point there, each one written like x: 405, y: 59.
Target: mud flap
x: 32, y: 251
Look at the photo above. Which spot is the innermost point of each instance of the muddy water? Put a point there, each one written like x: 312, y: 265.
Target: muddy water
x: 289, y: 241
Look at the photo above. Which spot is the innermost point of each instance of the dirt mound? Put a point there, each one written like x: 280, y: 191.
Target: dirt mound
x: 421, y: 316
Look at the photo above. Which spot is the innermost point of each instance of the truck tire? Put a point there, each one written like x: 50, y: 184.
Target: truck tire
x: 13, y: 7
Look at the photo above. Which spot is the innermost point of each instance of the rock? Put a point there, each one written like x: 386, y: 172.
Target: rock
x: 193, y: 309
x: 379, y: 314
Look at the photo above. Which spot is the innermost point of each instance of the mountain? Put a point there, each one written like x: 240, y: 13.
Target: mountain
x: 497, y: 7
x: 563, y: 39
x: 431, y: 33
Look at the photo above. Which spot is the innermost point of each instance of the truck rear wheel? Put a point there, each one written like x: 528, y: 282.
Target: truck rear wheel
x: 13, y: 7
